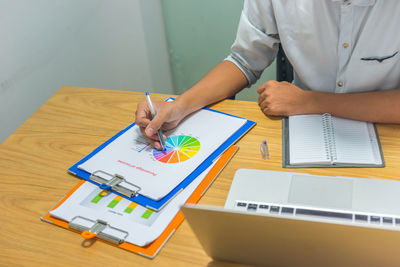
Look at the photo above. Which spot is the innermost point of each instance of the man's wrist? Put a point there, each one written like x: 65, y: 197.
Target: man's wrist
x: 183, y: 106
x: 313, y: 102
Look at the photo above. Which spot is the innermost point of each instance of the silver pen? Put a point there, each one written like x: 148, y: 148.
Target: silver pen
x: 264, y: 150
x: 153, y: 114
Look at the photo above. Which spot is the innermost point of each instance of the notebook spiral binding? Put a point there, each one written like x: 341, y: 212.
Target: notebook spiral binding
x: 329, y: 137
x: 114, y: 183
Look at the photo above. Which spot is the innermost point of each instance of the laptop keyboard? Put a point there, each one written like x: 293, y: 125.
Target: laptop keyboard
x: 296, y: 211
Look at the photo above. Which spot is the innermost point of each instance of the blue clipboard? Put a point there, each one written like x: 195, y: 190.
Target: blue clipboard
x: 159, y: 204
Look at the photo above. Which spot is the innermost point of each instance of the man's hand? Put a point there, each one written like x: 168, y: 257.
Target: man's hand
x: 283, y: 99
x: 168, y: 117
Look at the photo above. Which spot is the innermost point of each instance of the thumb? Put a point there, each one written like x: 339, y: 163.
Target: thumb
x: 155, y: 124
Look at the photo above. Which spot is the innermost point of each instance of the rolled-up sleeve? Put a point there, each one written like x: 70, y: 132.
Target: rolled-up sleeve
x: 257, y: 39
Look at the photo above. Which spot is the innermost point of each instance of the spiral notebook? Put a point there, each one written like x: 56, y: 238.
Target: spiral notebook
x: 317, y: 140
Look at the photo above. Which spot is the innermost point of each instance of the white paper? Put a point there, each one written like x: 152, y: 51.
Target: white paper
x: 353, y: 142
x: 196, y: 138
x: 306, y: 139
x: 142, y: 224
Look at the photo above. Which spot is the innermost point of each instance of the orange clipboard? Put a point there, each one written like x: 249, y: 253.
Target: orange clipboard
x: 152, y: 249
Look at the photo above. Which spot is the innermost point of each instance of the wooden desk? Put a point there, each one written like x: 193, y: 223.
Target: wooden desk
x: 33, y: 177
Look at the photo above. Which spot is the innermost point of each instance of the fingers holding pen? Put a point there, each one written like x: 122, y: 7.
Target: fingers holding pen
x: 154, y: 141
x: 153, y: 136
x: 168, y: 116
x: 155, y: 124
x: 150, y: 126
x: 143, y: 119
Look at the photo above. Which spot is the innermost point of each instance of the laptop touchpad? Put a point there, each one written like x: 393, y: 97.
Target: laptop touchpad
x: 321, y: 191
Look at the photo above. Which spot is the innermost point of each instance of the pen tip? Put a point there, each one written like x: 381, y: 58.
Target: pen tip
x: 147, y: 93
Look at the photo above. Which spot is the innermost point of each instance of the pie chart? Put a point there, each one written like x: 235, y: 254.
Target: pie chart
x: 179, y: 148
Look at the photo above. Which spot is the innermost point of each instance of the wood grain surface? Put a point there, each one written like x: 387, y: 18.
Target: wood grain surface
x: 73, y: 122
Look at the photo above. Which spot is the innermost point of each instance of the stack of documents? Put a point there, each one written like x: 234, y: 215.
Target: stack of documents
x: 133, y: 193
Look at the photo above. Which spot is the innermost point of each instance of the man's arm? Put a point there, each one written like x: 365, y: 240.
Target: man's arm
x: 223, y: 81
x: 285, y: 99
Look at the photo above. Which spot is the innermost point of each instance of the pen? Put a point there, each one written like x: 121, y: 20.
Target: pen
x: 264, y: 150
x: 153, y: 114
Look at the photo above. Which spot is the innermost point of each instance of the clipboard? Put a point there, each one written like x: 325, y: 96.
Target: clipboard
x: 119, y: 186
x: 151, y: 250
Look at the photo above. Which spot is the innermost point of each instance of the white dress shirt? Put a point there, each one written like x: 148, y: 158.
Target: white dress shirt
x: 340, y: 46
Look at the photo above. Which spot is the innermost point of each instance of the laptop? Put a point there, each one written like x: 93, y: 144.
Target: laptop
x: 295, y: 219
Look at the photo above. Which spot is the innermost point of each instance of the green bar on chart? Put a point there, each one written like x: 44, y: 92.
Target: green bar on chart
x: 131, y: 207
x: 147, y: 214
x: 97, y: 198
x: 114, y: 202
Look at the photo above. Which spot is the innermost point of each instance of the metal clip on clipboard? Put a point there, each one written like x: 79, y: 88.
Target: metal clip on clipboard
x: 96, y: 230
x: 114, y: 183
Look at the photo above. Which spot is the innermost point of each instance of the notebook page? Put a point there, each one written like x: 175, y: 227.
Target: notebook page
x: 353, y: 143
x: 306, y: 140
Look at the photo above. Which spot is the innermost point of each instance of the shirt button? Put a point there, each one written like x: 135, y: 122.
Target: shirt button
x: 340, y: 84
x: 345, y: 45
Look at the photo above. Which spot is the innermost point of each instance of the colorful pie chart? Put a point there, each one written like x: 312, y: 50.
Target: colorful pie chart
x: 179, y: 148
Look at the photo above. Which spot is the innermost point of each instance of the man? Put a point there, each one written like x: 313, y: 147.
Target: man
x: 345, y: 54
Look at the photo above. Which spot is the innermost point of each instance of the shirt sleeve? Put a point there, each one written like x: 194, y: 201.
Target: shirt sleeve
x: 257, y: 39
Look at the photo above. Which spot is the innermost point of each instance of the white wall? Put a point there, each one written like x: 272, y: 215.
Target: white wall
x: 45, y: 44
